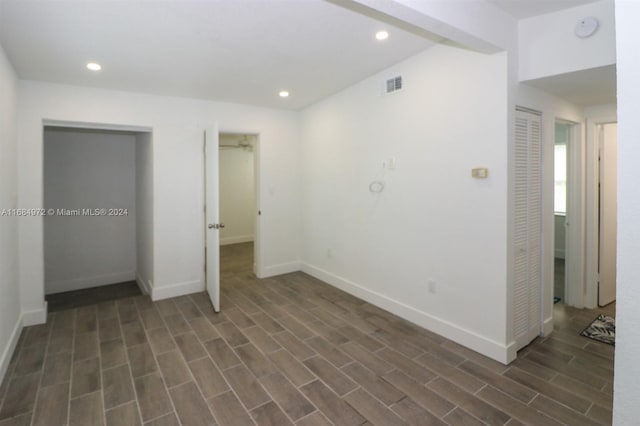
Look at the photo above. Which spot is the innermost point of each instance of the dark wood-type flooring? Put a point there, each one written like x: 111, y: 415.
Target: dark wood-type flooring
x: 91, y: 296
x: 291, y: 350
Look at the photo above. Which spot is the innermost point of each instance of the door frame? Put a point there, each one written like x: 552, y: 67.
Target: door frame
x: 257, y: 232
x: 575, y: 216
x: 258, y: 255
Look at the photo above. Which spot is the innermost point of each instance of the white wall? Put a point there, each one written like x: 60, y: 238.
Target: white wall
x: 178, y: 131
x: 550, y: 47
x: 144, y: 210
x: 88, y: 170
x: 432, y: 221
x: 237, y: 191
x: 626, y: 390
x: 10, y: 322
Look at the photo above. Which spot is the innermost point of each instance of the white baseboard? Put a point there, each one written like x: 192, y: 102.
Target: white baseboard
x: 283, y: 268
x: 26, y: 318
x: 145, y: 286
x: 36, y: 316
x: 7, y: 353
x: 236, y: 240
x: 559, y: 253
x: 175, y: 290
x: 488, y: 347
x: 81, y: 283
x: 547, y: 326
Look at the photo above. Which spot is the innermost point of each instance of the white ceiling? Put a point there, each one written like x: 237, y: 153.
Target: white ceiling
x: 595, y: 86
x: 242, y: 51
x: 520, y: 9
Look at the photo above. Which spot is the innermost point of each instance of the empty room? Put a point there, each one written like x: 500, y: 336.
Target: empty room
x: 319, y: 212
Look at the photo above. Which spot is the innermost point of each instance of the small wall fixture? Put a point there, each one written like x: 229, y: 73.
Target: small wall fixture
x: 94, y: 66
x: 283, y: 94
x: 586, y: 27
x: 382, y: 35
x: 377, y: 186
x: 480, y: 173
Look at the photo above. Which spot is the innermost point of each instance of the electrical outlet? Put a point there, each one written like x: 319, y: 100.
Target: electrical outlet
x: 431, y: 285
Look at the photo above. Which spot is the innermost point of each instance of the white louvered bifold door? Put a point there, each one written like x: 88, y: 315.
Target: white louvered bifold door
x: 527, y: 230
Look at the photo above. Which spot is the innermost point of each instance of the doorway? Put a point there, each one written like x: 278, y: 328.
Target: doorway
x: 237, y: 203
x: 561, y: 143
x: 98, y: 198
x: 241, y: 203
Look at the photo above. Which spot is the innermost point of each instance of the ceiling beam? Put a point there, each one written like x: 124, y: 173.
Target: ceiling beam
x: 475, y: 24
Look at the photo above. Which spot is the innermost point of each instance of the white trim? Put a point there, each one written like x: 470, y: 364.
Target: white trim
x: 145, y: 287
x: 547, y: 326
x: 259, y: 242
x: 283, y: 268
x: 96, y: 126
x: 35, y: 317
x: 52, y: 287
x: 175, y: 290
x: 488, y: 347
x: 5, y: 359
x: 236, y: 240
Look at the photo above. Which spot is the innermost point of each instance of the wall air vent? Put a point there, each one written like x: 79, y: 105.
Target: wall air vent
x: 393, y: 84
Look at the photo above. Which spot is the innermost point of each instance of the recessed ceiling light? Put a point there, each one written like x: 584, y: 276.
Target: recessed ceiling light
x: 284, y: 94
x: 382, y: 35
x: 94, y: 66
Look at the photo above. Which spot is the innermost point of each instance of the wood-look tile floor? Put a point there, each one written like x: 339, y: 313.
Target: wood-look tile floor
x: 91, y: 296
x: 291, y: 350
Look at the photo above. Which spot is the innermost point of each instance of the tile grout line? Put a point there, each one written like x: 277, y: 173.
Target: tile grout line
x: 126, y: 354
x: 100, y: 369
x: 73, y: 358
x: 44, y: 360
x: 258, y: 379
x: 185, y: 362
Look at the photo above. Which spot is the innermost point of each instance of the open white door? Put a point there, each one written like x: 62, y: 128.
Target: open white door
x: 608, y: 213
x: 212, y: 216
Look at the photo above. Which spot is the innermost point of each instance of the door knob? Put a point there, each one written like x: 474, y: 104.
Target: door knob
x: 211, y: 226
x: 221, y: 225
x: 215, y: 225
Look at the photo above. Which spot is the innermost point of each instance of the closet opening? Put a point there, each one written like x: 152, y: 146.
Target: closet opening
x: 98, y: 221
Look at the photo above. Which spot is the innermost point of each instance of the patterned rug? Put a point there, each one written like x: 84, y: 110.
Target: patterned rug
x: 602, y: 329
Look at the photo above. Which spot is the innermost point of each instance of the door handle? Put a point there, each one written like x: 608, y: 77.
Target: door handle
x: 215, y: 225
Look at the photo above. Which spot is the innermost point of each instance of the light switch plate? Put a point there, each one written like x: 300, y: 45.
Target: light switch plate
x: 480, y: 173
